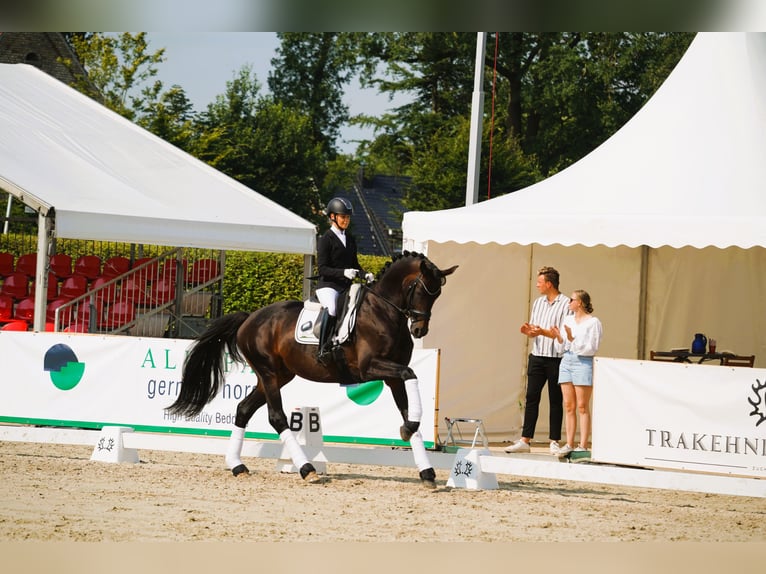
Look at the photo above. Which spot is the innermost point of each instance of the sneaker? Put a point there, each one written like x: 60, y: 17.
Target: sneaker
x: 518, y: 446
x: 565, y: 450
x: 555, y: 448
x: 581, y: 449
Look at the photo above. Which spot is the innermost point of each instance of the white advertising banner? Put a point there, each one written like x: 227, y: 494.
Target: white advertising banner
x: 91, y: 380
x: 680, y: 416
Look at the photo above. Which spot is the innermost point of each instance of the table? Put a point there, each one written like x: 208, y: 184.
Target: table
x: 685, y: 356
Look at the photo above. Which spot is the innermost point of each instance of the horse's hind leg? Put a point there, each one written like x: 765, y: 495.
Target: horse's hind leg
x: 245, y: 411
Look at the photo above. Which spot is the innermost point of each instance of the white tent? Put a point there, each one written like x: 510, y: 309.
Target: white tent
x: 102, y: 177
x: 664, y: 224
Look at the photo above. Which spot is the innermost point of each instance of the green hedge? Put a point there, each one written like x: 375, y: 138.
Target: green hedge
x: 251, y: 280
x: 254, y: 280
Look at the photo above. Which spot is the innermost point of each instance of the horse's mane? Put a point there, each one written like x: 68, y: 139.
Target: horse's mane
x: 398, y: 256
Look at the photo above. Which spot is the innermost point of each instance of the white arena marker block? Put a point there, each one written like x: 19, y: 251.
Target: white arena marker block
x: 306, y: 424
x: 110, y: 448
x: 467, y: 473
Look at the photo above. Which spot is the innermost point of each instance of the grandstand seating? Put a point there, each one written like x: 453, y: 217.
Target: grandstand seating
x: 88, y: 266
x: 118, y: 314
x: 106, y: 294
x: 53, y: 287
x: 6, y: 264
x: 115, y: 266
x: 25, y: 309
x: 6, y: 307
x: 27, y: 264
x: 202, y: 271
x: 16, y: 285
x: 61, y: 265
x: 74, y: 286
x: 16, y: 325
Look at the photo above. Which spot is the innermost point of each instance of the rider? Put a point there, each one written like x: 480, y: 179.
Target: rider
x: 338, y: 265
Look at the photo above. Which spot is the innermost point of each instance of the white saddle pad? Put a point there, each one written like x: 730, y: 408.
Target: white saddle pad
x: 304, y: 327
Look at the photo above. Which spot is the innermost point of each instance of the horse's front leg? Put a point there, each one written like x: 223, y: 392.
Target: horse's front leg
x: 403, y: 383
x: 245, y: 411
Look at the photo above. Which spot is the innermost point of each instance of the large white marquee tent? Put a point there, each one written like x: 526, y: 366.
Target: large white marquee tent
x: 92, y: 174
x: 664, y: 224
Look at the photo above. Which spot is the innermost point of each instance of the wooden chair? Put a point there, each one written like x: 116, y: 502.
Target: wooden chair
x: 738, y: 360
x: 664, y: 357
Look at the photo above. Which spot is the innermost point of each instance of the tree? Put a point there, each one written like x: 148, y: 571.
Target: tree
x: 263, y: 144
x: 117, y: 68
x: 309, y: 74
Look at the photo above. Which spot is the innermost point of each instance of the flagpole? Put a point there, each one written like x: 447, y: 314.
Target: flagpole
x: 477, y: 115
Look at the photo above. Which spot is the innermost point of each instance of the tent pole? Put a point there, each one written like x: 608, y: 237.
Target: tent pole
x: 308, y: 268
x: 41, y: 272
x: 7, y: 214
x: 477, y: 113
x: 642, y: 301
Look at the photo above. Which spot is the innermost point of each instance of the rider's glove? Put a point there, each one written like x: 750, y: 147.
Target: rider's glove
x: 369, y: 277
x: 350, y: 273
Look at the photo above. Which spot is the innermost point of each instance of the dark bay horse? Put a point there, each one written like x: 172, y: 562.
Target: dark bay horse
x: 398, y: 304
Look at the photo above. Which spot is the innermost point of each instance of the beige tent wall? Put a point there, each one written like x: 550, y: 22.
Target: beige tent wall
x: 476, y: 322
x: 718, y: 292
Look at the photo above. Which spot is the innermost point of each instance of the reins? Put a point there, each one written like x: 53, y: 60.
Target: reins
x: 408, y: 311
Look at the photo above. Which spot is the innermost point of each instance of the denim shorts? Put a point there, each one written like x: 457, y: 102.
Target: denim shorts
x: 576, y: 370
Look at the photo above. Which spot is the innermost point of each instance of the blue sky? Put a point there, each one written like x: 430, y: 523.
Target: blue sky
x: 202, y: 62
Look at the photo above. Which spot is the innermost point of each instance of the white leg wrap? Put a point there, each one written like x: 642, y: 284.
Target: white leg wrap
x: 296, y: 452
x: 414, y: 408
x: 234, y: 449
x: 419, y: 451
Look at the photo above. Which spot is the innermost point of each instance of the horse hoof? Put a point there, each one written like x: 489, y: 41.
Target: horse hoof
x: 312, y: 478
x: 240, y: 469
x: 405, y: 433
x: 428, y: 477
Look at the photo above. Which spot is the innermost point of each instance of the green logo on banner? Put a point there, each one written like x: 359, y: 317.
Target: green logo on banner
x: 366, y: 393
x: 62, y: 364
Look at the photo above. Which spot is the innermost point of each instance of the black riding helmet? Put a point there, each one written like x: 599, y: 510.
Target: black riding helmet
x: 339, y: 206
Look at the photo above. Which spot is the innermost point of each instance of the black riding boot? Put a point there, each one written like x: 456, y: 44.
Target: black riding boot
x: 325, y: 337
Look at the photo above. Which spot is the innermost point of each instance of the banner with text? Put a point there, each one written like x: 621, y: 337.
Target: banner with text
x: 681, y: 416
x: 92, y: 380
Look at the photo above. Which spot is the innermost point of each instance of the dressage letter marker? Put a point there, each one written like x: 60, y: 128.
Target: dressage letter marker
x: 466, y: 471
x: 306, y: 424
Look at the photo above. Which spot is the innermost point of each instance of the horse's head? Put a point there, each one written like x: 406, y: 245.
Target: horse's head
x: 420, y: 283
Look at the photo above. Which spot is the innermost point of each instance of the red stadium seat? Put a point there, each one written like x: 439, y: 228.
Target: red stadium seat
x: 16, y: 285
x: 15, y: 326
x: 149, y: 269
x: 61, y: 265
x: 161, y: 292
x: 169, y: 270
x: 88, y: 266
x: 134, y: 289
x: 106, y: 294
x: 6, y: 264
x: 25, y: 309
x: 53, y: 287
x: 27, y: 264
x: 82, y: 314
x: 202, y: 271
x: 74, y: 286
x: 64, y: 317
x: 6, y: 307
x: 115, y: 266
x: 77, y: 327
x: 118, y: 314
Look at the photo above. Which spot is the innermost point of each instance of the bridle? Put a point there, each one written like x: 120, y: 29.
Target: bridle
x: 408, y: 311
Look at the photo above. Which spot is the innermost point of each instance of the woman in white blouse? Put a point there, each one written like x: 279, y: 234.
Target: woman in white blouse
x: 580, y: 342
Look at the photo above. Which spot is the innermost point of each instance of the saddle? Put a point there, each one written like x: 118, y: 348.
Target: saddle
x: 309, y: 322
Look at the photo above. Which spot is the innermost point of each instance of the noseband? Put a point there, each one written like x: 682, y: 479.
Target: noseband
x: 408, y: 311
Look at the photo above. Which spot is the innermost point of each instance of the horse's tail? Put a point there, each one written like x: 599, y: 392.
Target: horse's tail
x: 203, y: 367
